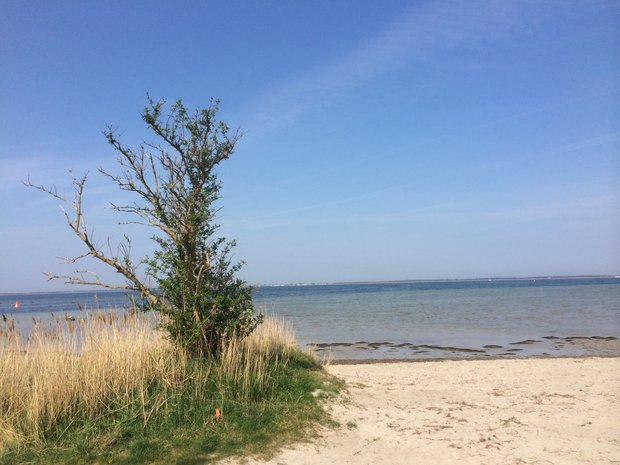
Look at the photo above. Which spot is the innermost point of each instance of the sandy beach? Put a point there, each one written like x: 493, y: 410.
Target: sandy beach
x: 509, y: 411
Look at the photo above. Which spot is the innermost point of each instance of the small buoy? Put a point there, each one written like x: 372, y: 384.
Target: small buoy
x: 17, y: 304
x: 218, y: 414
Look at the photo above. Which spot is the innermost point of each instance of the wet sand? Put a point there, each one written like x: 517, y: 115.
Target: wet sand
x: 545, y: 346
x: 508, y: 411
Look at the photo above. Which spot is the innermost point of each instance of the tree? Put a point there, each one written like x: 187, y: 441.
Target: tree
x: 175, y: 187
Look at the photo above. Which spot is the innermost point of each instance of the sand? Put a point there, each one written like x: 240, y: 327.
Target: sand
x: 511, y: 411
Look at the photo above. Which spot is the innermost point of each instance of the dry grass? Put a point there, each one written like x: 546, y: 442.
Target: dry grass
x: 66, y: 371
x: 250, y: 362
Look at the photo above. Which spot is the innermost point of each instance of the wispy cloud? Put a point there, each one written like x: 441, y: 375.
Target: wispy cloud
x: 418, y: 34
x: 602, y: 139
x: 575, y: 206
x: 41, y: 167
x: 289, y: 217
x: 17, y: 169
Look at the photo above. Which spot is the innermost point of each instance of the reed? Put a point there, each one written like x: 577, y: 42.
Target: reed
x: 249, y: 364
x: 65, y: 370
x: 106, y: 364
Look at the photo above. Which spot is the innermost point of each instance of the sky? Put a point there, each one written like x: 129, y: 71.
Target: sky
x: 382, y: 140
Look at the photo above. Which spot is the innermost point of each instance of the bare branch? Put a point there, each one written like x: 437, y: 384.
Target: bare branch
x: 71, y: 260
x: 121, y: 263
x: 53, y: 191
x: 95, y: 281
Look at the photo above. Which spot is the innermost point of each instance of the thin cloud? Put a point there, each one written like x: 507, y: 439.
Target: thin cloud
x: 418, y: 34
x: 422, y: 213
x: 576, y: 206
x: 611, y: 137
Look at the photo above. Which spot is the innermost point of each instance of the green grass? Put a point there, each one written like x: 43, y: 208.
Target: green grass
x: 265, y: 387
x: 185, y: 430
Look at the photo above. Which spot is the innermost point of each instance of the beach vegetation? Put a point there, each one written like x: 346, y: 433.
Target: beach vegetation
x: 111, y: 387
x: 174, y: 185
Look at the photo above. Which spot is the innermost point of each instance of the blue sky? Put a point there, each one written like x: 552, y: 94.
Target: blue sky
x: 382, y: 140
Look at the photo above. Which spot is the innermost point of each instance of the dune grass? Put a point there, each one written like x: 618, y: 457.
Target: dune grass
x: 111, y: 388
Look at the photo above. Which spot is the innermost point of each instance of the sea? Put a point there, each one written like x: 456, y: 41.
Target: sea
x: 438, y: 319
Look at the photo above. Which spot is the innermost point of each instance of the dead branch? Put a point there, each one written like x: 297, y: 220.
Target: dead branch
x: 53, y: 191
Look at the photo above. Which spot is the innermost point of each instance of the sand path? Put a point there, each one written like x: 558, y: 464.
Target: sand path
x: 521, y: 411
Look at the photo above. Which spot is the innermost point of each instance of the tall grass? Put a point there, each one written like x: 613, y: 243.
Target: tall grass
x: 64, y: 371
x: 249, y: 364
x: 107, y: 367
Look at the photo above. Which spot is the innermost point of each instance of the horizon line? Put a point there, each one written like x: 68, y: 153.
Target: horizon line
x: 342, y: 283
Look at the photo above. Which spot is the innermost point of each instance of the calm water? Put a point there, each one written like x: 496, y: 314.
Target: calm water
x: 573, y: 316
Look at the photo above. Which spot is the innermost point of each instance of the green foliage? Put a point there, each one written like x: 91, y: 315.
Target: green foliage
x: 176, y: 180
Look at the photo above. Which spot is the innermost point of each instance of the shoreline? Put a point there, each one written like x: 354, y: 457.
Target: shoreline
x: 382, y: 361
x: 513, y: 411
x: 546, y: 346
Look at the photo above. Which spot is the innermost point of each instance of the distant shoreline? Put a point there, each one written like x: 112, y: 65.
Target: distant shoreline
x: 82, y: 290
x: 442, y: 280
